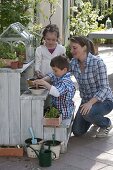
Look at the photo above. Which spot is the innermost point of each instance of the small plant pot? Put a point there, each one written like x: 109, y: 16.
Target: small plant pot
x: 7, y: 62
x: 52, y: 121
x: 20, y: 64
x: 14, y: 64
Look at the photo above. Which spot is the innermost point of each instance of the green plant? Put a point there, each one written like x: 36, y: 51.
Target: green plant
x: 6, y: 52
x: 12, y: 11
x: 4, y: 48
x: 85, y: 20
x: 68, y: 52
x: 2, y: 64
x: 12, y: 56
x: 52, y: 113
x: 20, y: 48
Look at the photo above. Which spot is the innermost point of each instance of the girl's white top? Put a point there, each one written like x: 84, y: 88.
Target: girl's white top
x: 43, y: 58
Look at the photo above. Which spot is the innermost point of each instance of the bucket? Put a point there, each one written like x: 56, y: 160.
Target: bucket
x: 30, y: 152
x: 54, y: 147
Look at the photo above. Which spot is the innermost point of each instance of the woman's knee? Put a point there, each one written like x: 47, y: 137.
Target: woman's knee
x: 78, y: 129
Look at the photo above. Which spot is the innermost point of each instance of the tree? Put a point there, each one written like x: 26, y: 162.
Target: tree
x: 84, y: 21
x: 13, y: 11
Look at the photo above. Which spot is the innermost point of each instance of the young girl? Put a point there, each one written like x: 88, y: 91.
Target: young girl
x: 48, y: 49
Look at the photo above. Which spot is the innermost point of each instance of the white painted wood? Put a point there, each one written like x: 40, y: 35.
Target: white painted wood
x: 37, y: 116
x: 4, y: 115
x: 10, y: 110
x: 14, y: 107
x: 25, y: 119
x: 32, y: 109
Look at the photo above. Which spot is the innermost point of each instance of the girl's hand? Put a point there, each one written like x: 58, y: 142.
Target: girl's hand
x: 85, y: 108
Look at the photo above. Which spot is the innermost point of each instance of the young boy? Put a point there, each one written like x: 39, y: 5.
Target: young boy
x: 60, y: 86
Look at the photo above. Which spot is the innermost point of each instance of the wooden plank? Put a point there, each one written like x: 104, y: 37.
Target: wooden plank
x: 60, y: 133
x: 25, y: 119
x: 14, y: 107
x: 4, y: 116
x: 37, y: 117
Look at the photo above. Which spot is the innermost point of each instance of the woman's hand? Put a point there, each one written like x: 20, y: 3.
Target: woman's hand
x: 85, y: 108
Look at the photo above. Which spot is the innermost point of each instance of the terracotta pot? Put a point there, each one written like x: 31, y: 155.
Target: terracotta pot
x: 14, y: 64
x: 7, y: 62
x: 52, y: 121
x: 20, y: 64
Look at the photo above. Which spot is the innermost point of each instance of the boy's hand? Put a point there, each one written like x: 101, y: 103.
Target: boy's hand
x: 42, y: 82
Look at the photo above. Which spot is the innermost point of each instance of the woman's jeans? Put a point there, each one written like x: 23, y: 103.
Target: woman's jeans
x: 96, y: 116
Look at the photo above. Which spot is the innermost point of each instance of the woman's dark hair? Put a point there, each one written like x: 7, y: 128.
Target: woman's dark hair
x: 82, y: 41
x: 50, y: 28
x: 60, y: 62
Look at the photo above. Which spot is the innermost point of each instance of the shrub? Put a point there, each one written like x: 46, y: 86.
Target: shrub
x: 84, y: 21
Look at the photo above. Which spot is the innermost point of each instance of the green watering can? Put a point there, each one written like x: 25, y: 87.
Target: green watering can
x: 44, y: 155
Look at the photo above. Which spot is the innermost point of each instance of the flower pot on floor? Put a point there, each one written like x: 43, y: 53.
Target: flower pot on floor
x: 30, y: 152
x: 53, y: 146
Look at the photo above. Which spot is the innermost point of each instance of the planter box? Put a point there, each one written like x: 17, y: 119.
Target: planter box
x: 11, y: 151
x: 52, y: 121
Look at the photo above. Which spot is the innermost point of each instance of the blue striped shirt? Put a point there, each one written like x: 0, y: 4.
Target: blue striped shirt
x: 64, y: 103
x: 93, y: 82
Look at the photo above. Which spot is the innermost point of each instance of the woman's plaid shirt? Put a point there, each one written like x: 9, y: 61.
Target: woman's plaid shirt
x: 64, y: 103
x: 93, y: 82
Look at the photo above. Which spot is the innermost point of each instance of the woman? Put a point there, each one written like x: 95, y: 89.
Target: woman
x: 97, y: 98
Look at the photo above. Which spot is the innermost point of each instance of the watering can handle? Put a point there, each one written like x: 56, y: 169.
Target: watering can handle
x: 36, y: 151
x: 52, y: 152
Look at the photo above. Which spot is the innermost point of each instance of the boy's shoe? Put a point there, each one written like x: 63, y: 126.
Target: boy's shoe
x: 93, y: 130
x: 103, y: 132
